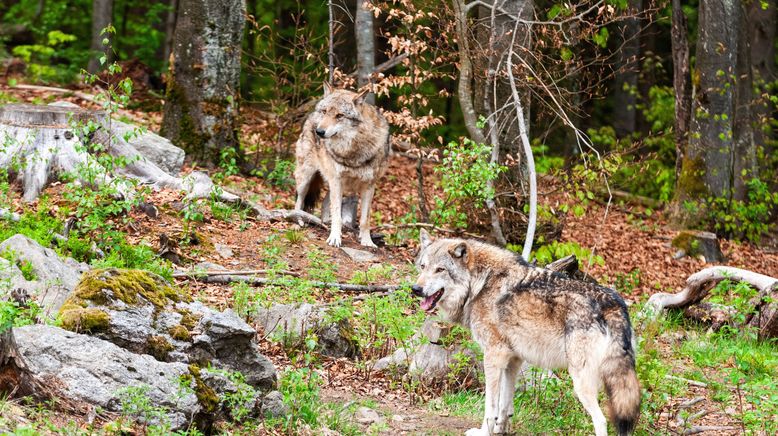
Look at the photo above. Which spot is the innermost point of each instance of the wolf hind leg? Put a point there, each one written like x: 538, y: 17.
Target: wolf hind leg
x: 364, y: 217
x: 586, y: 383
x: 307, y: 179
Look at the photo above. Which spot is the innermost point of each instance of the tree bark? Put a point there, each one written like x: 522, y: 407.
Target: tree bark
x: 170, y: 29
x: 682, y: 83
x: 762, y: 27
x: 201, y: 105
x: 624, y: 98
x: 363, y: 28
x: 719, y: 129
x: 102, y: 16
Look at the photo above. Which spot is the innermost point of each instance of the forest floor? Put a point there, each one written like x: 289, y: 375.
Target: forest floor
x: 637, y: 260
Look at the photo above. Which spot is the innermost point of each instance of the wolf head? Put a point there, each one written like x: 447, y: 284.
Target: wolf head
x: 338, y: 113
x: 444, y: 279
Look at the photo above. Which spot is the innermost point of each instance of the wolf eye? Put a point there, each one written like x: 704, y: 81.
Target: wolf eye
x: 339, y: 116
x: 439, y: 270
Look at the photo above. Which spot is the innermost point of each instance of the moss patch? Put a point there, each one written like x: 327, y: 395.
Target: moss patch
x: 180, y: 333
x: 77, y: 319
x: 687, y: 242
x: 206, y: 396
x: 159, y: 347
x: 188, y: 319
x: 103, y: 285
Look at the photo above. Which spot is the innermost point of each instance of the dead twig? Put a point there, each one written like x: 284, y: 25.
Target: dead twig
x: 262, y: 281
x: 687, y: 381
x: 248, y: 272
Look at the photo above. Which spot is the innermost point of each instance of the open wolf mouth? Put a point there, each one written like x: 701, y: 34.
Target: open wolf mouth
x: 428, y: 304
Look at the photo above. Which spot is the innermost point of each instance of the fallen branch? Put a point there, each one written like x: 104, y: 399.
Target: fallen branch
x: 701, y: 428
x: 427, y: 226
x: 79, y: 94
x: 699, y: 384
x: 261, y: 281
x: 211, y: 273
x: 765, y: 313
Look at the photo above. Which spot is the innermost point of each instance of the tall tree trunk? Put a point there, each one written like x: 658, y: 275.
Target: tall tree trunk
x: 201, y: 106
x: 744, y: 149
x: 363, y: 27
x: 762, y: 26
x: 717, y: 131
x: 170, y: 28
x: 682, y: 83
x: 624, y: 97
x: 102, y: 15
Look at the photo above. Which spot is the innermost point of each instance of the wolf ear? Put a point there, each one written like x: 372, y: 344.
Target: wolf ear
x: 327, y: 88
x: 459, y: 251
x: 424, y: 239
x: 360, y: 97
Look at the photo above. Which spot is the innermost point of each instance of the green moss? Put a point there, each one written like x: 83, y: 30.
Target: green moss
x: 691, y: 183
x: 189, y: 319
x: 159, y: 347
x: 77, y: 319
x: 687, y: 242
x: 180, y: 333
x: 206, y: 396
x: 101, y: 286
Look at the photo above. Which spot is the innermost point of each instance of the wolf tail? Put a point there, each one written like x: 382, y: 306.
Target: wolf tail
x: 314, y: 192
x: 620, y: 379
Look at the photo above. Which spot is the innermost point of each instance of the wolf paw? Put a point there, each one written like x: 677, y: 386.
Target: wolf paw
x: 334, y: 240
x: 477, y: 432
x: 367, y: 241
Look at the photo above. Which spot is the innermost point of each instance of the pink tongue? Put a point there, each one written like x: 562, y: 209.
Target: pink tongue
x: 426, y: 304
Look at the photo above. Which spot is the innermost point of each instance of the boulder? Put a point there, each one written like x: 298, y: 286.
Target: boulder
x: 55, y: 278
x: 89, y: 370
x: 360, y: 256
x: 139, y: 311
x: 297, y: 320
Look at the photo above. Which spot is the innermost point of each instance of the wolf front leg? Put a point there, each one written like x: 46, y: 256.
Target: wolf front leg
x: 336, y: 198
x: 507, y: 388
x: 364, y: 217
x: 492, y: 375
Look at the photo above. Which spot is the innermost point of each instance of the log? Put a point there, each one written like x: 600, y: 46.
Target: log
x: 700, y: 283
x: 15, y: 379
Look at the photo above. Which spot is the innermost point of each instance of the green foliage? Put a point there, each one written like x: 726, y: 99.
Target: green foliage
x: 13, y: 314
x: 374, y: 275
x: 744, y: 219
x: 556, y: 250
x: 383, y: 321
x: 39, y: 58
x: 300, y: 387
x: 465, y: 173
x: 627, y: 283
x: 135, y: 403
x: 282, y: 174
x: 239, y: 402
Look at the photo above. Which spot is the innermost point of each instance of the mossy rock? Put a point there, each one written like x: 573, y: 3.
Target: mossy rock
x: 79, y: 319
x: 103, y: 286
x: 180, y: 333
x: 206, y: 396
x: 159, y: 347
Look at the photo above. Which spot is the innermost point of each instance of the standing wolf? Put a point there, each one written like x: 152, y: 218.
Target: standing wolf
x: 517, y: 312
x: 345, y: 141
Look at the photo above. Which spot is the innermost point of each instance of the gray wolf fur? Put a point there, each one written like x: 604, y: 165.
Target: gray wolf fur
x: 517, y: 312
x: 345, y: 142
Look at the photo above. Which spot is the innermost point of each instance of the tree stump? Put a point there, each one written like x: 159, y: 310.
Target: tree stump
x: 695, y: 243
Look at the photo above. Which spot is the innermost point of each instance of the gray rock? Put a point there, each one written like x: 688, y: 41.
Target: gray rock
x: 360, y: 256
x: 398, y: 359
x: 153, y: 147
x: 6, y: 214
x: 698, y: 243
x: 55, y: 277
x: 297, y: 320
x: 10, y: 278
x: 223, y: 250
x: 432, y: 362
x: 89, y: 370
x: 367, y: 416
x: 273, y: 405
x: 176, y: 331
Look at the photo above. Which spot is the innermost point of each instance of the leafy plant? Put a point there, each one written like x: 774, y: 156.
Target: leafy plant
x: 744, y: 219
x: 557, y: 250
